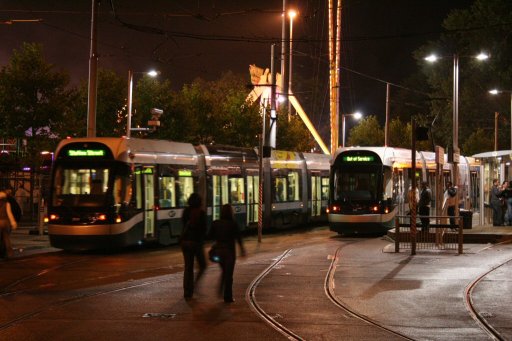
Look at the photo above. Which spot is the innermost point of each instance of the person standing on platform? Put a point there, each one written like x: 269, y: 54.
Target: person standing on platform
x: 225, y: 232
x: 192, y: 243
x: 494, y: 199
x: 449, y: 202
x: 424, y: 206
x: 7, y: 222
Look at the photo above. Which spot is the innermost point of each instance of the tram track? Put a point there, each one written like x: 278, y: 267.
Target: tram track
x: 250, y: 297
x: 329, y: 291
x: 470, y: 306
x: 73, y: 299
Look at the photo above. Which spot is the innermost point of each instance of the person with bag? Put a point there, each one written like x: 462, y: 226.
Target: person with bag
x: 226, y: 233
x: 7, y: 222
x: 192, y: 243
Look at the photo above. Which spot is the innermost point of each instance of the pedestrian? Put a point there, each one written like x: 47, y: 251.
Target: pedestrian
x: 225, y: 232
x: 424, y: 206
x: 7, y: 222
x: 506, y: 194
x: 15, y: 207
x: 192, y: 243
x: 449, y: 201
x: 494, y: 199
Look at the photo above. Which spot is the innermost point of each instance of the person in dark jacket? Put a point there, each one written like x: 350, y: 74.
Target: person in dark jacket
x: 15, y: 207
x: 424, y: 206
x: 494, y: 199
x: 225, y: 232
x: 192, y: 243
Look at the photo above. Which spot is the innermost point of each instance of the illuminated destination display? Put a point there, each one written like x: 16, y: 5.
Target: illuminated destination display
x: 86, y: 152
x: 185, y: 173
x: 359, y: 158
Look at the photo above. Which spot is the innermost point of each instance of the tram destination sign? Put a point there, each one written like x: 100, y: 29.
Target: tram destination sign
x: 86, y: 152
x: 358, y: 158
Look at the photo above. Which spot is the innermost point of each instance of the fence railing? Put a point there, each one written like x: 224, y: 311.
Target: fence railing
x: 441, y: 236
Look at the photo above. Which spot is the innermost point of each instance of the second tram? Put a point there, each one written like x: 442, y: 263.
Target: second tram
x: 368, y: 186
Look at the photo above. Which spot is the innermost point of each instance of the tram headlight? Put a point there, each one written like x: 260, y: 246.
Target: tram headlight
x: 118, y: 219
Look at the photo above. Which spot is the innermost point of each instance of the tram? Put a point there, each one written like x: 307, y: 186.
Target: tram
x: 368, y: 186
x: 115, y: 192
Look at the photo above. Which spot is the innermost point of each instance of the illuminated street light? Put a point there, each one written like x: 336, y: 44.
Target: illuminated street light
x: 151, y: 73
x: 433, y: 58
x: 497, y: 92
x: 357, y: 115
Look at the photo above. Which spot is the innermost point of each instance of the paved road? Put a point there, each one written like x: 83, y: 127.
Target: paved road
x: 138, y: 296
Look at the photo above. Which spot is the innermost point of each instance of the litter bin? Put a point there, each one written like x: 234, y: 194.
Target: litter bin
x: 467, y: 218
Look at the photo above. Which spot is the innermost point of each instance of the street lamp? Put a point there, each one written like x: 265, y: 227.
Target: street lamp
x: 433, y: 58
x: 357, y: 115
x: 496, y: 92
x: 291, y: 14
x: 151, y: 73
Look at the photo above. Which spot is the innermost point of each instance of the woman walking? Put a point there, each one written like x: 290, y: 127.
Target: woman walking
x: 192, y: 243
x: 7, y: 222
x: 225, y: 232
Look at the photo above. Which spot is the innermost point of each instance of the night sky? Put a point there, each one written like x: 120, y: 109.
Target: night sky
x: 188, y: 39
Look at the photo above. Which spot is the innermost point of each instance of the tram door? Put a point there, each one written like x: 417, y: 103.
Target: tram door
x: 149, y: 201
x: 253, y: 198
x: 316, y: 195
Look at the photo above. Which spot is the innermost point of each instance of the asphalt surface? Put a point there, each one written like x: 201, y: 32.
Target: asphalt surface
x: 424, y: 297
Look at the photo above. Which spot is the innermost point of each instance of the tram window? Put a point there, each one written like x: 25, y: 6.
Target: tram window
x: 293, y: 186
x: 185, y: 187
x: 236, y: 187
x: 325, y: 188
x: 280, y: 189
x: 76, y: 186
x: 167, y: 190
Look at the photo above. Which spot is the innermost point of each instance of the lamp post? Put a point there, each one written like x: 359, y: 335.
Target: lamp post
x: 496, y: 92
x: 151, y: 73
x: 291, y: 14
x: 433, y: 58
x: 356, y: 115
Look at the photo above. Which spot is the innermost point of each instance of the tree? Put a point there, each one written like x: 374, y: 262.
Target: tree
x: 294, y: 135
x: 367, y: 133
x: 485, y: 25
x: 478, y: 142
x: 33, y: 96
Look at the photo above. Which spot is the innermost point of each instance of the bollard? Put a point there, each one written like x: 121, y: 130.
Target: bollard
x: 461, y: 236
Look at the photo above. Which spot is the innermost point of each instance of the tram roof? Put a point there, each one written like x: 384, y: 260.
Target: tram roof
x: 494, y: 154
x: 141, y: 150
x: 401, y: 157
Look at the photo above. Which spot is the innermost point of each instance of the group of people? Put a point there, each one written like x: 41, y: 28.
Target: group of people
x: 224, y: 232
x: 423, y: 198
x: 501, y: 203
x: 10, y: 215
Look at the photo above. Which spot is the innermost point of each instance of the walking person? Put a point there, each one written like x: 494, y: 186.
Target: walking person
x: 192, y: 243
x: 225, y: 232
x: 7, y: 222
x: 424, y: 206
x: 15, y: 207
x: 494, y: 199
